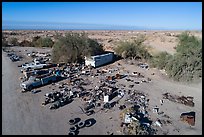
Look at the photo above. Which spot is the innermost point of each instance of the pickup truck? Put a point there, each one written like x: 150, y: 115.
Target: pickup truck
x: 34, y: 81
x: 34, y: 65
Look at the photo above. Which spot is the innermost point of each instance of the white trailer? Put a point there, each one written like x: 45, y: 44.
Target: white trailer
x: 99, y: 60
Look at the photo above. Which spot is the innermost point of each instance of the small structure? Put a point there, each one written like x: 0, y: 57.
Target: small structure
x: 99, y: 60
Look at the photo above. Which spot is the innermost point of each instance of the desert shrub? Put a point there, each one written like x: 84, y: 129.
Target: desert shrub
x: 4, y: 43
x: 35, y: 39
x: 188, y: 43
x: 73, y: 47
x: 186, y: 64
x: 160, y: 60
x: 42, y: 42
x: 26, y: 43
x: 133, y: 50
x: 13, y: 41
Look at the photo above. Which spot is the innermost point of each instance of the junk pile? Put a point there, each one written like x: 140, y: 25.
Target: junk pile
x: 136, y: 118
x: 38, y: 54
x: 143, y: 65
x: 137, y: 97
x: 58, y: 99
x: 13, y: 57
x: 101, y: 95
x: 188, y: 101
x: 76, y: 80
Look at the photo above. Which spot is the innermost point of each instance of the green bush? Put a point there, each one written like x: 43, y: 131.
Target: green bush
x: 4, y: 41
x: 42, y: 42
x: 160, y: 60
x: 73, y: 47
x: 35, y: 38
x: 26, y: 43
x: 186, y: 64
x: 13, y: 41
x: 133, y: 50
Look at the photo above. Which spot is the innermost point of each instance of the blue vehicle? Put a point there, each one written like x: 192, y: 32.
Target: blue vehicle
x: 34, y: 81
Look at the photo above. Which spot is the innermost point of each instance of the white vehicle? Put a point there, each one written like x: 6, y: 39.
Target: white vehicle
x: 33, y: 65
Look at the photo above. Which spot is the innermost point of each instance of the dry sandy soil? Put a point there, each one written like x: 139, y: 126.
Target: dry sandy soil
x: 156, y: 40
x: 22, y: 113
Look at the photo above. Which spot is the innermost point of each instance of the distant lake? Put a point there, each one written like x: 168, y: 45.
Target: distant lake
x: 15, y: 25
x: 12, y: 25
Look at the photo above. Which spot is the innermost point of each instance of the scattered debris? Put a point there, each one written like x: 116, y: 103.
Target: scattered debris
x: 14, y: 57
x: 161, y: 101
x: 143, y: 65
x: 155, y: 109
x: 128, y: 118
x: 188, y: 101
x: 158, y: 123
x: 188, y: 117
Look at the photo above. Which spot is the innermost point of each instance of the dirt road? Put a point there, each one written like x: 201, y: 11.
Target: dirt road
x: 20, y: 114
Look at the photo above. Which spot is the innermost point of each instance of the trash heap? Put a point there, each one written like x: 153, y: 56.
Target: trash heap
x: 188, y: 101
x: 13, y: 57
x: 136, y: 120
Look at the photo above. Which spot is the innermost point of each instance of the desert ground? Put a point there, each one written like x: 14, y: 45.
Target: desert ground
x: 22, y: 113
x: 158, y: 40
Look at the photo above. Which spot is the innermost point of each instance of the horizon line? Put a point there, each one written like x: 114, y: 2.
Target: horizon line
x: 100, y: 30
x: 78, y: 26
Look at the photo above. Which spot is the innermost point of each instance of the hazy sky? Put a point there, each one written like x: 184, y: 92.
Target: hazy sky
x: 167, y: 15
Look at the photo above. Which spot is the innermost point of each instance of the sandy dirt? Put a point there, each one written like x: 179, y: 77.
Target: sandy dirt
x: 157, y: 40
